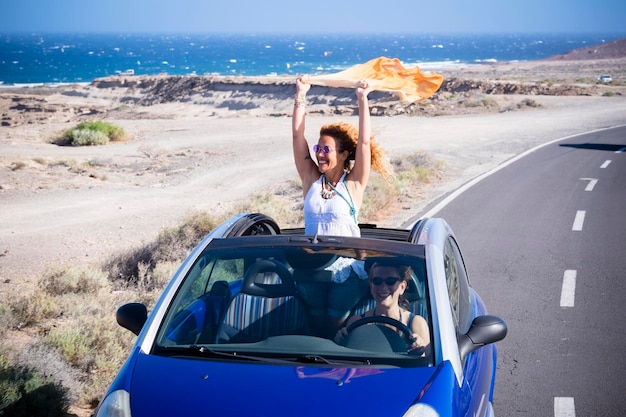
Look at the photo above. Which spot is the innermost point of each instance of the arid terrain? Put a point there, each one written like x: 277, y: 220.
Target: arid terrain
x: 208, y: 146
x: 207, y: 143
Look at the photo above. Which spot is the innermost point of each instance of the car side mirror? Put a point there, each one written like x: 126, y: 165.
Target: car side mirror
x: 483, y: 331
x: 132, y: 316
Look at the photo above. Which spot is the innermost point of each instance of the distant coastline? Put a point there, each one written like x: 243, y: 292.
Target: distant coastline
x: 51, y: 59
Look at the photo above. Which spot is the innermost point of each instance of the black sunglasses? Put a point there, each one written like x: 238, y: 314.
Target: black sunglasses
x: 389, y: 281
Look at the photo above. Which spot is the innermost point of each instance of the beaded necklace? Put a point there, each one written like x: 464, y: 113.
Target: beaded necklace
x: 326, y: 194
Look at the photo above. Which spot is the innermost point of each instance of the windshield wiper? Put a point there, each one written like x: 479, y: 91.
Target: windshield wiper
x: 204, y: 351
x: 321, y: 359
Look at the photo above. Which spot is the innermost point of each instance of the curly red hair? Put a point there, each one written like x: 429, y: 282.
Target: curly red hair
x: 346, y: 136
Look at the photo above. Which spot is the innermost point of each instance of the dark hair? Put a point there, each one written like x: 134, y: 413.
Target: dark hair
x: 404, y: 271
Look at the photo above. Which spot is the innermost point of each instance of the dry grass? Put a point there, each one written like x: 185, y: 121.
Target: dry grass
x: 72, y: 311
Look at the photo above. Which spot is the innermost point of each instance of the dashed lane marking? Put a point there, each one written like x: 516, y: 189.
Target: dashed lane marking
x: 578, y: 221
x: 568, y: 290
x: 605, y: 164
x: 564, y: 407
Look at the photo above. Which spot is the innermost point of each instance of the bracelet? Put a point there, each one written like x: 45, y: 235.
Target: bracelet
x: 300, y: 102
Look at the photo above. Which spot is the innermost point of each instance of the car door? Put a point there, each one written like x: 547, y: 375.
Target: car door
x: 478, y: 366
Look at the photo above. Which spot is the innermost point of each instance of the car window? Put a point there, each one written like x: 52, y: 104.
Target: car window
x: 260, y: 300
x: 458, y: 286
x: 205, y: 272
x: 452, y: 280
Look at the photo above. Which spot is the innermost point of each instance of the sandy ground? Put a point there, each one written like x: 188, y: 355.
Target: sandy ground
x: 75, y: 205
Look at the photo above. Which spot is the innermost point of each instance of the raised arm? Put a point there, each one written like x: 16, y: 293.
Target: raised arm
x: 306, y: 167
x: 363, y: 158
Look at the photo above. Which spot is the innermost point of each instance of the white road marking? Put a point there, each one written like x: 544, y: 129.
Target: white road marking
x: 605, y: 164
x: 621, y: 150
x: 568, y: 290
x: 578, y: 221
x: 592, y: 183
x: 564, y: 407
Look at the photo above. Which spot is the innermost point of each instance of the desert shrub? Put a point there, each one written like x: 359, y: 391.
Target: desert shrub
x: 26, y: 392
x: 174, y: 244
x: 59, y: 281
x: 33, y: 309
x: 413, y: 169
x: 154, y: 278
x: 410, y: 172
x: 378, y: 197
x: 90, y: 340
x: 137, y: 266
x: 113, y: 132
x: 479, y: 102
x: 123, y: 267
x: 92, y: 133
x: 6, y: 317
x: 84, y: 137
x: 159, y: 276
x: 528, y: 102
x: 608, y: 94
x: 87, y: 339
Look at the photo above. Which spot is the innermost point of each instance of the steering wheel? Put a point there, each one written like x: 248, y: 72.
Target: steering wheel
x: 407, y: 333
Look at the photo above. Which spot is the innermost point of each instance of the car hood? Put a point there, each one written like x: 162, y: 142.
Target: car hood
x: 178, y: 386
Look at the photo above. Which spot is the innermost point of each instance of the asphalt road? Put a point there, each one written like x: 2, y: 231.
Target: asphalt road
x: 544, y: 240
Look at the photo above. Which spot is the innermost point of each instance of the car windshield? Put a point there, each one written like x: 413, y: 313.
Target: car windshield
x: 275, y: 303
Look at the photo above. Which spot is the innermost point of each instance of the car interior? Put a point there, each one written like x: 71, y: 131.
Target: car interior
x: 248, y: 296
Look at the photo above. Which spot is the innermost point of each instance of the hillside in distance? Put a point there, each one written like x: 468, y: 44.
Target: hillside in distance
x: 609, y: 50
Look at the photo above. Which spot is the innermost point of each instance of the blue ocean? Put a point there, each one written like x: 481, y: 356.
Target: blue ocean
x: 69, y: 58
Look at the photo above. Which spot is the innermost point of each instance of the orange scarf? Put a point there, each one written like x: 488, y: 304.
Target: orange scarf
x: 385, y: 74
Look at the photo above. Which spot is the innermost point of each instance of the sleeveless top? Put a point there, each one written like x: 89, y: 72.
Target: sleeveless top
x: 334, y: 216
x: 408, y: 323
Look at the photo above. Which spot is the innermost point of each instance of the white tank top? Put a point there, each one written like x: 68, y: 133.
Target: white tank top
x: 331, y: 216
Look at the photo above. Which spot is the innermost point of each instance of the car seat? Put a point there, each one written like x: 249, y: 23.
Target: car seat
x: 216, y: 302
x: 267, y: 305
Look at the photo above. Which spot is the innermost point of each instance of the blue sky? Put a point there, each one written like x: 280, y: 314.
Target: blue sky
x: 315, y: 16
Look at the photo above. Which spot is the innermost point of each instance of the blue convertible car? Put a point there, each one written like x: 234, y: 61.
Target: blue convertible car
x: 233, y: 334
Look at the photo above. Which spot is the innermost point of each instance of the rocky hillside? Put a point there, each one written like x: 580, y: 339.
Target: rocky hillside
x: 609, y: 50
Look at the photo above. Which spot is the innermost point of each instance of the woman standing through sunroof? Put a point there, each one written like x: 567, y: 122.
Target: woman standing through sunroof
x: 334, y: 183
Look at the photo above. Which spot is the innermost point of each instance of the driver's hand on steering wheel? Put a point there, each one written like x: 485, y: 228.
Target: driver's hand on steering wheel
x: 341, y: 335
x: 418, y: 347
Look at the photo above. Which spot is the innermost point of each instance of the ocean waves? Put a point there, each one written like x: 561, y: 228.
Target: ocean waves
x: 70, y: 58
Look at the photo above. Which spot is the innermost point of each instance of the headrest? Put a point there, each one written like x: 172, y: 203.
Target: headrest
x: 255, y: 281
x: 311, y: 261
x: 220, y: 289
